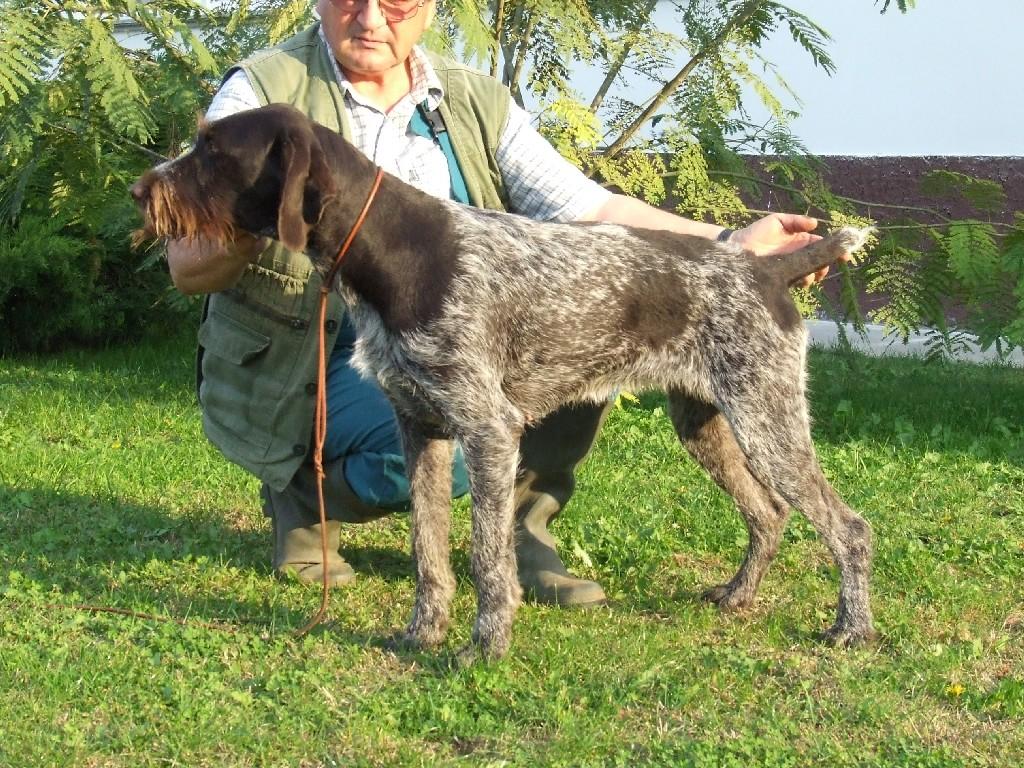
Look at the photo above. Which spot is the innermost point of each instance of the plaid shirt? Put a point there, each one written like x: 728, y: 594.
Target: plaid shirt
x: 539, y: 182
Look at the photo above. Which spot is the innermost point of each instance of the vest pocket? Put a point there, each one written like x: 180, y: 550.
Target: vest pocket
x: 232, y: 353
x: 230, y: 339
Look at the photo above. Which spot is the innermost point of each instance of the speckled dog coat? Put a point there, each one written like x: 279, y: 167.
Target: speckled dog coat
x: 477, y: 323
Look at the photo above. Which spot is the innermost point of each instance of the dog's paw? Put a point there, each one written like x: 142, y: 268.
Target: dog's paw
x: 424, y: 635
x: 727, y: 598
x: 467, y: 656
x: 846, y: 635
x: 399, y: 642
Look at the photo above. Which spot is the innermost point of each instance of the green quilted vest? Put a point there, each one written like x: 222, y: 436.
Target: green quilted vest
x: 258, y: 340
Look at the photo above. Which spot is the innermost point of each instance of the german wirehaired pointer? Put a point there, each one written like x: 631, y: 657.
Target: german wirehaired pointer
x: 477, y: 324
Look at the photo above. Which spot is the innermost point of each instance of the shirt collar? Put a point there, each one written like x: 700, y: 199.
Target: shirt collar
x: 426, y: 85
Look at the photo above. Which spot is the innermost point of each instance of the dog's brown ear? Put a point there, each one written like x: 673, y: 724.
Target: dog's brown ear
x: 307, y: 186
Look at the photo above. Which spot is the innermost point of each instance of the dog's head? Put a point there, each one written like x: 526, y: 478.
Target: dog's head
x: 262, y: 171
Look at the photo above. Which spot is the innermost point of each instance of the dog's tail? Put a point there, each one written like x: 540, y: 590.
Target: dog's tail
x: 793, y: 266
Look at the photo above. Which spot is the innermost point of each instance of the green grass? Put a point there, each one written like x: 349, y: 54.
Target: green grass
x: 110, y: 495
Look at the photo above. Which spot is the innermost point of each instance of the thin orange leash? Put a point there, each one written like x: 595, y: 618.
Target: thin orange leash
x: 320, y: 427
x: 318, y: 454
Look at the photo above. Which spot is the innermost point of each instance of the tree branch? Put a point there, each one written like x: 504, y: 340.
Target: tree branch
x: 620, y: 61
x: 944, y: 221
x: 746, y: 11
x: 806, y: 196
x: 519, y: 55
x: 499, y: 26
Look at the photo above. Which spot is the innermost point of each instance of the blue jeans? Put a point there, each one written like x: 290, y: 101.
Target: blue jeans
x: 362, y: 430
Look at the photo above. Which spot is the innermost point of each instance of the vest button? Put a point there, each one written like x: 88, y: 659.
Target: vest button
x: 332, y: 326
x: 311, y: 388
x: 299, y: 450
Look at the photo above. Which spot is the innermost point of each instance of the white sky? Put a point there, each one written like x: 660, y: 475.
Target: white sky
x: 944, y: 79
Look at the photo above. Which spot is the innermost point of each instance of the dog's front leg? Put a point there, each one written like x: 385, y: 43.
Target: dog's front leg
x: 429, y: 467
x: 492, y: 456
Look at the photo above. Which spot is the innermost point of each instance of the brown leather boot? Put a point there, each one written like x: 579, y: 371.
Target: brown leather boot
x: 294, y: 512
x: 550, y: 454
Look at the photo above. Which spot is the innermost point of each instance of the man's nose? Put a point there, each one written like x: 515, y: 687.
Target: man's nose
x: 371, y: 17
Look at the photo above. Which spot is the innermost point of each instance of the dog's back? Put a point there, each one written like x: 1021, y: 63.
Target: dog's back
x: 564, y: 312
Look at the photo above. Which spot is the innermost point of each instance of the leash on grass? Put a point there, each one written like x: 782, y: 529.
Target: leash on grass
x: 320, y: 429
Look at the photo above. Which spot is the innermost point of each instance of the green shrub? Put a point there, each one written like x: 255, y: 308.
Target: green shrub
x: 76, y: 124
x: 82, y: 115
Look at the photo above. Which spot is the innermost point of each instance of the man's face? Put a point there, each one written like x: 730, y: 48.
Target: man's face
x: 365, y: 42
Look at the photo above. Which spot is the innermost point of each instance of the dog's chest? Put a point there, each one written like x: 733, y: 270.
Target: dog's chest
x: 379, y: 355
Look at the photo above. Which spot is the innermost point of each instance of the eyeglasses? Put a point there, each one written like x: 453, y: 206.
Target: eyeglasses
x: 393, y: 10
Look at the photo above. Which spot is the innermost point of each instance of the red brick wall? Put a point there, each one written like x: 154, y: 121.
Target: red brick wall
x: 897, y: 180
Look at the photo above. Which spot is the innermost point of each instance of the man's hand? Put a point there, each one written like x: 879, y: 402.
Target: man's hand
x: 781, y: 233
x: 198, y: 266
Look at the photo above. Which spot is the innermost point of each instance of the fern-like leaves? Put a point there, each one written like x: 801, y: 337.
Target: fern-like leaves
x: 22, y: 54
x: 113, y: 83
x: 915, y: 282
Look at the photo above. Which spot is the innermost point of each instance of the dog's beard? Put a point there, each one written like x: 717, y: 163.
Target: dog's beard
x: 168, y: 214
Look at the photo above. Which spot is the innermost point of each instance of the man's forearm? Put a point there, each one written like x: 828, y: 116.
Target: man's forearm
x: 619, y: 209
x: 197, y: 266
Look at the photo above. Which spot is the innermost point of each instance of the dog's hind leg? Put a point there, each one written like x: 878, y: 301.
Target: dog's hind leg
x: 429, y: 467
x: 709, y: 439
x: 491, y: 450
x: 771, y: 425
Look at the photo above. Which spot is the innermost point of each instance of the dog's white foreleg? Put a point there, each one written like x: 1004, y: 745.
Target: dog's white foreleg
x: 492, y: 457
x: 429, y: 467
